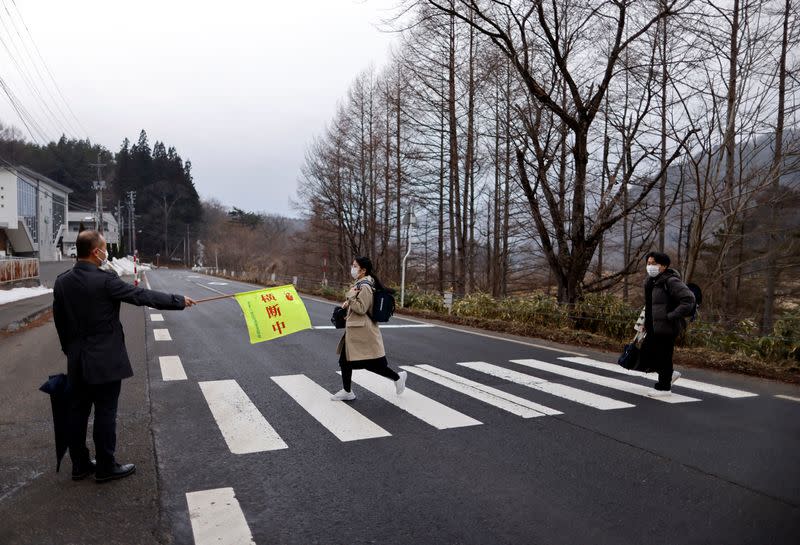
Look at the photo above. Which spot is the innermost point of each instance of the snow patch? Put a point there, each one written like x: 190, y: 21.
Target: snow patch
x: 17, y: 294
x: 124, y: 266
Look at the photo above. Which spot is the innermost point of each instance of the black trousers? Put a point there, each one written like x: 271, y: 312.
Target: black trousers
x: 104, y: 398
x: 657, y: 351
x: 378, y: 366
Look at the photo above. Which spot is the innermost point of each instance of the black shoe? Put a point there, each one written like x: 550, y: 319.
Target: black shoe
x: 117, y: 471
x: 662, y: 388
x: 84, y: 470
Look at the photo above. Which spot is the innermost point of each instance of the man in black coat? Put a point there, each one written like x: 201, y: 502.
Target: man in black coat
x: 86, y: 301
x: 668, y: 302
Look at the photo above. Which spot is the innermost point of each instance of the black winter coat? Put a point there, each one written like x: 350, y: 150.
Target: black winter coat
x: 86, y: 303
x: 672, y: 302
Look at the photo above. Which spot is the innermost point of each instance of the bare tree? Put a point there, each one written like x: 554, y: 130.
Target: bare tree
x: 526, y: 30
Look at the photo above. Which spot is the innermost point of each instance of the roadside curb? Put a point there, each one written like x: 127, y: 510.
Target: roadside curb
x: 40, y: 306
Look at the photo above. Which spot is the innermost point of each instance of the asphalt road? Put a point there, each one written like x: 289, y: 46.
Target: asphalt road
x: 582, y: 457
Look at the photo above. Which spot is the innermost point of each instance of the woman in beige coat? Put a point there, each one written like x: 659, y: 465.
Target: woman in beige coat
x: 361, y: 347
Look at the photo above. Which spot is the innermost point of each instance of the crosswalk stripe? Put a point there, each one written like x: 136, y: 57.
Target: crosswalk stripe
x: 608, y: 382
x: 789, y: 398
x: 162, y: 335
x: 243, y: 427
x: 683, y: 382
x: 156, y: 317
x: 343, y: 421
x: 216, y: 517
x: 487, y: 394
x: 561, y: 390
x: 426, y: 409
x: 171, y: 368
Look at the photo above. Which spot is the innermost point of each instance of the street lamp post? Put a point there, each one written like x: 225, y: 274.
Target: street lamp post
x: 409, y: 221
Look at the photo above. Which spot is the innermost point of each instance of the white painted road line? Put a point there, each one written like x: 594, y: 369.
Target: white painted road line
x: 171, y: 368
x: 487, y: 394
x: 560, y: 390
x: 682, y: 383
x: 426, y: 409
x: 467, y: 331
x: 790, y: 398
x: 243, y: 427
x: 156, y: 317
x: 211, y: 289
x: 385, y: 326
x: 217, y: 518
x: 162, y: 334
x: 343, y: 421
x: 636, y: 389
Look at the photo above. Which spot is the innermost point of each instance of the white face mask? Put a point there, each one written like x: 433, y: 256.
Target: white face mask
x: 653, y: 270
x: 354, y: 272
x: 104, y: 261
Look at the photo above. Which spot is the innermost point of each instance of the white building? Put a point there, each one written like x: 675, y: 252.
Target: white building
x: 89, y: 221
x: 33, y: 214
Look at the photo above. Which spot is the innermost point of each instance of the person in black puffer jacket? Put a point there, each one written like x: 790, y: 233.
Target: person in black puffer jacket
x: 668, y: 302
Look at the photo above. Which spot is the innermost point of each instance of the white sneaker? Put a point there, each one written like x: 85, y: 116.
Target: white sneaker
x: 343, y: 395
x: 659, y: 393
x: 675, y: 376
x: 400, y: 384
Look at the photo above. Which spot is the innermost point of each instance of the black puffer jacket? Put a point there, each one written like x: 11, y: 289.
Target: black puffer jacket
x: 672, y: 302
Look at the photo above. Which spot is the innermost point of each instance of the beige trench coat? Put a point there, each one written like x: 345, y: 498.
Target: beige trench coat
x: 361, y: 335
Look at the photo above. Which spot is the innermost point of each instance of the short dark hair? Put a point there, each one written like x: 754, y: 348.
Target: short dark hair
x: 659, y: 257
x: 87, y: 241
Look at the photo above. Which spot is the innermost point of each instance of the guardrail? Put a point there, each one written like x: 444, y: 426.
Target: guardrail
x: 13, y: 269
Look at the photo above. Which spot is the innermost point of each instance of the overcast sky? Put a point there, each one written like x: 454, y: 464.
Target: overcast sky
x: 239, y: 87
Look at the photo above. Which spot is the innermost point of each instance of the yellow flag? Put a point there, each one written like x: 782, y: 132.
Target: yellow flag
x: 273, y: 312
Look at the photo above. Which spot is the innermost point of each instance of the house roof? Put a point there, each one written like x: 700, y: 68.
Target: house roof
x: 80, y: 215
x: 28, y: 173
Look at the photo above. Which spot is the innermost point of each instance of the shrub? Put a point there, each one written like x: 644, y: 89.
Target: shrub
x: 328, y: 291
x: 423, y: 301
x: 608, y: 315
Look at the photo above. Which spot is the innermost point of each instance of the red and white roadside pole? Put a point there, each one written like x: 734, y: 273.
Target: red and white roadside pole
x: 135, y: 268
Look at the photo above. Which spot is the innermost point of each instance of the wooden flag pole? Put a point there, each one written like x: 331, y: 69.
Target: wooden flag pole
x: 206, y: 300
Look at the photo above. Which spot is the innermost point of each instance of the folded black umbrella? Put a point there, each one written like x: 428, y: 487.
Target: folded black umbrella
x: 58, y: 388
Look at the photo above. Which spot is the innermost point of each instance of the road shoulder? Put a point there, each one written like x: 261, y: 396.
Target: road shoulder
x: 38, y: 505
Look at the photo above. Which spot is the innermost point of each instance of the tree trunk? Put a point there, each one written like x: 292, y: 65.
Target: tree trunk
x: 775, y: 174
x: 662, y: 190
x: 468, y: 228
x: 457, y: 248
x: 506, y: 189
x: 729, y: 206
x: 494, y: 261
x: 399, y: 177
x: 387, y: 178
x: 440, y: 219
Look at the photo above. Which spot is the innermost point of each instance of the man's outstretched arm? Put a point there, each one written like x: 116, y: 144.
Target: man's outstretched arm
x: 120, y: 290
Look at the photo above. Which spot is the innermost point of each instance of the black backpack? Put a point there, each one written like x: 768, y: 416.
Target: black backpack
x: 382, y: 302
x: 382, y: 305
x: 698, y: 299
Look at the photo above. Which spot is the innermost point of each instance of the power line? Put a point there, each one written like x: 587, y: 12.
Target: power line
x: 47, y: 69
x: 59, y: 124
x: 28, y: 76
x: 27, y: 79
x: 24, y: 116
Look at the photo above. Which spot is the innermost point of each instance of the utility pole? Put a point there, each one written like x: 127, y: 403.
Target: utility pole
x: 410, y: 221
x: 132, y: 219
x: 120, y: 226
x: 98, y: 185
x: 188, y: 247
